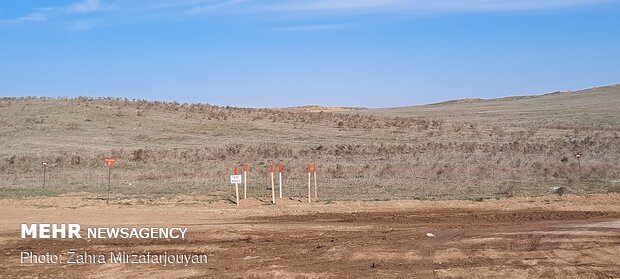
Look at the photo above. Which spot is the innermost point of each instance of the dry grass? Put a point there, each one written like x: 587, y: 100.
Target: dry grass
x: 478, y: 148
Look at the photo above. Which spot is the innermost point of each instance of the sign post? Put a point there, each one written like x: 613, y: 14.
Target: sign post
x: 236, y: 179
x: 44, y: 171
x: 280, y: 177
x: 578, y: 155
x: 273, y: 187
x: 315, y: 186
x: 109, y: 162
x: 309, y: 187
x: 245, y: 181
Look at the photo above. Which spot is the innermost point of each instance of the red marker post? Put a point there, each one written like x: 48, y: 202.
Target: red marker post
x: 110, y: 163
x: 578, y: 155
x: 309, y: 187
x: 280, y: 177
x: 236, y: 179
x: 273, y: 187
x: 245, y: 181
x: 236, y: 182
x: 44, y: 172
x: 315, y: 185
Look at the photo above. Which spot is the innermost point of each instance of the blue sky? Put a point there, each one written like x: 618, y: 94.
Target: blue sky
x: 372, y: 53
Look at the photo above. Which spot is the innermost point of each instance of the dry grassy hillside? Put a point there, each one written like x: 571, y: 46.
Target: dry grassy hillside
x: 459, y: 149
x: 595, y: 109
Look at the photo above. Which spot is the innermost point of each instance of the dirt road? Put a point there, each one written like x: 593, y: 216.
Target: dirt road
x: 548, y: 237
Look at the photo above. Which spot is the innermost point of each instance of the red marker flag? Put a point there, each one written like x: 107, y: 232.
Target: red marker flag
x: 235, y: 170
x: 110, y: 162
x: 271, y: 167
x: 280, y: 168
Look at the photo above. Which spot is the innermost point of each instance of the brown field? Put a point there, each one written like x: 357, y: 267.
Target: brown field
x: 468, y: 149
x: 546, y: 237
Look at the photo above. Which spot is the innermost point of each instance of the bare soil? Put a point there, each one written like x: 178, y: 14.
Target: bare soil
x: 545, y: 237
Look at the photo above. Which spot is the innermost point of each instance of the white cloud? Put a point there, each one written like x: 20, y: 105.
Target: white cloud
x: 81, y: 26
x: 348, y: 4
x: 86, y: 6
x: 490, y: 5
x: 342, y: 4
x: 33, y: 17
x: 313, y: 27
x: 214, y: 5
x: 427, y: 5
x: 153, y: 9
x: 43, y: 14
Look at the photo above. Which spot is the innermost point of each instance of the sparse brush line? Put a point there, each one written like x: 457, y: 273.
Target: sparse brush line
x: 169, y: 148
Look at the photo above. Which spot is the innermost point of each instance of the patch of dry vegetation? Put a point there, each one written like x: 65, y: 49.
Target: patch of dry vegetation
x: 419, y: 152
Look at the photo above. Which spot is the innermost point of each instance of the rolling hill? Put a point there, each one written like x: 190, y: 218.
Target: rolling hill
x: 456, y: 149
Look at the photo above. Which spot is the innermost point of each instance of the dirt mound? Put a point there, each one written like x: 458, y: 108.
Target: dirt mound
x: 444, y: 217
x: 250, y: 202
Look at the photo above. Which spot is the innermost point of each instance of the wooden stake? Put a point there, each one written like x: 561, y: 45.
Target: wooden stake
x: 315, y: 186
x: 44, y: 170
x: 109, y: 179
x: 109, y: 162
x: 273, y: 187
x: 273, y: 190
x: 579, y: 164
x: 280, y: 178
x: 245, y: 181
x: 309, y: 187
x: 235, y: 172
x: 237, y: 192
